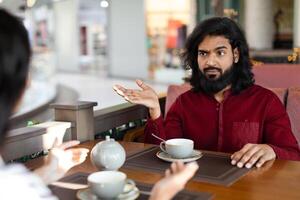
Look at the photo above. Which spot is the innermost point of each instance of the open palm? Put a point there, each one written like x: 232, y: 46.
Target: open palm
x: 61, y: 158
x: 145, y: 96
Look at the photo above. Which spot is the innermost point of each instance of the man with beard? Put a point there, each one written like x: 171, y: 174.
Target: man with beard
x: 224, y: 111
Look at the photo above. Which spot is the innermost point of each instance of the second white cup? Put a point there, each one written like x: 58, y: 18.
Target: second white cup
x: 178, y: 147
x: 108, y: 184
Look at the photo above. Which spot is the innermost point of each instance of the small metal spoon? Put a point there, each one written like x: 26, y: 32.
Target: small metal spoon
x: 158, y: 137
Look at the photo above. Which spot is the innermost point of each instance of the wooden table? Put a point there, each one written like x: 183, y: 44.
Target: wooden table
x: 276, y: 180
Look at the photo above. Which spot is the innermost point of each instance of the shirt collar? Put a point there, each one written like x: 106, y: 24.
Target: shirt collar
x: 226, y: 93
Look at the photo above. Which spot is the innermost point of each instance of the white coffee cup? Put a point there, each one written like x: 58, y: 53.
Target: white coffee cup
x: 108, y: 184
x: 178, y: 147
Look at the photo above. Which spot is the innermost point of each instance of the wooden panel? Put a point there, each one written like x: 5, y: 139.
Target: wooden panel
x: 115, y: 116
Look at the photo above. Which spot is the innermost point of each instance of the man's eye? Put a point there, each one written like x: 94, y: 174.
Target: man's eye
x: 221, y: 53
x: 202, y: 54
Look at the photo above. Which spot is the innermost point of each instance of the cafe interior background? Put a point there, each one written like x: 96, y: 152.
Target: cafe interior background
x: 81, y: 48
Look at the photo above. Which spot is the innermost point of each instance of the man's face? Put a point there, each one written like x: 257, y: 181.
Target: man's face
x: 215, y: 56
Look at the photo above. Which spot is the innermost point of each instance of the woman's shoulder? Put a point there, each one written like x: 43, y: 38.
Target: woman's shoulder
x: 16, y: 177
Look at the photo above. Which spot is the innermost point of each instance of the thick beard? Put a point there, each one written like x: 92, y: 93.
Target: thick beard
x: 211, y: 86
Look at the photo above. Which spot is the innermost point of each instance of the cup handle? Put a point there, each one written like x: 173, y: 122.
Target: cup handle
x: 163, y: 146
x: 130, y: 182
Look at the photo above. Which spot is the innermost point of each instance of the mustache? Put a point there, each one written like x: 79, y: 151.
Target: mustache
x: 212, y: 68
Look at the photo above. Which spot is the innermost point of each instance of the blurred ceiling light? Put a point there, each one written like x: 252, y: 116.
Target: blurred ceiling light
x: 1, y: 1
x: 104, y: 4
x: 30, y: 3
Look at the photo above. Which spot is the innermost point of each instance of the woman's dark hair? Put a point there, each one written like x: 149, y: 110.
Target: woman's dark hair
x: 219, y: 26
x: 14, y: 63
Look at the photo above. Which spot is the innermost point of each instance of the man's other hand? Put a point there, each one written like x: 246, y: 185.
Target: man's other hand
x: 253, y: 154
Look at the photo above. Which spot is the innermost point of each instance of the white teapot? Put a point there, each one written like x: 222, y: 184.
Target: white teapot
x: 108, y: 154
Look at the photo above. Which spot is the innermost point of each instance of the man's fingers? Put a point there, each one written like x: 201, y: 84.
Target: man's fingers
x: 255, y: 157
x: 128, y: 94
x: 261, y: 161
x: 236, y: 157
x: 256, y: 153
x: 119, y: 89
x: 268, y: 155
x: 123, y: 91
x: 141, y: 84
x: 130, y: 99
x: 133, y: 99
x: 132, y: 93
x: 248, y: 155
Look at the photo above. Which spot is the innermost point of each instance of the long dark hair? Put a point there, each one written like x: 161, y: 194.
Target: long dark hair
x: 219, y: 26
x: 14, y: 60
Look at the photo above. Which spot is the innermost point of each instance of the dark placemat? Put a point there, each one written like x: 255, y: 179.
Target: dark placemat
x: 81, y: 178
x: 213, y: 167
x: 65, y: 193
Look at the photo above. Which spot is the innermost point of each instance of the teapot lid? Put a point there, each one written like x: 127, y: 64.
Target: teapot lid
x: 108, y: 143
x: 107, y: 138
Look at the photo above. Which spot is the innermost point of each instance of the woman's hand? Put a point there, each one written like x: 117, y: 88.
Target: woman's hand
x: 61, y: 158
x: 174, y: 181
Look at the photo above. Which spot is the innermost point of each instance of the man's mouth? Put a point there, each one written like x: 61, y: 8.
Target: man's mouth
x: 211, y: 76
x: 212, y: 72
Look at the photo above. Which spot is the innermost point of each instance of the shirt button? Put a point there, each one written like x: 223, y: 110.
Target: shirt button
x: 218, y: 106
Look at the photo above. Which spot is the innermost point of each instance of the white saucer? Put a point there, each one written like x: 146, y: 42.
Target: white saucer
x: 130, y: 193
x: 167, y: 157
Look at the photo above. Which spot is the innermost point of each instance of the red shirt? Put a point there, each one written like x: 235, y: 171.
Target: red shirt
x: 256, y: 115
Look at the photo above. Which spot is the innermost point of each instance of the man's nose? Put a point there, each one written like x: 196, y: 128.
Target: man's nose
x: 211, y: 60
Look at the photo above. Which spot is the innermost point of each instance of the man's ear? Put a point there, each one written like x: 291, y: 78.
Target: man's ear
x: 236, y: 55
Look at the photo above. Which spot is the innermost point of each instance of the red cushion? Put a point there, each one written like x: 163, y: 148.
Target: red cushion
x: 281, y: 93
x: 293, y: 110
x: 277, y: 75
x: 173, y: 92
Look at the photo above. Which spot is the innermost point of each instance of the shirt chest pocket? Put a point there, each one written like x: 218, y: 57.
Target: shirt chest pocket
x: 245, y: 132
